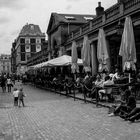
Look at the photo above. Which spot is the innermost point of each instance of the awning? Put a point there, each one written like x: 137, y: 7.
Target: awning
x: 64, y: 60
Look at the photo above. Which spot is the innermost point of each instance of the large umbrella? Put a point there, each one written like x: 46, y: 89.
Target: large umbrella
x: 74, y: 58
x: 64, y: 60
x: 86, y: 54
x: 102, y: 52
x: 127, y: 48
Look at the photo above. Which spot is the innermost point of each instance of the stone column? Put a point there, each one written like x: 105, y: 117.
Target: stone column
x: 94, y: 66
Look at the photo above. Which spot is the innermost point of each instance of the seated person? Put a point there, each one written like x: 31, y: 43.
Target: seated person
x: 87, y: 84
x: 127, y: 107
x: 107, y: 91
x: 98, y: 83
x: 68, y: 84
x: 78, y: 83
x: 116, y: 75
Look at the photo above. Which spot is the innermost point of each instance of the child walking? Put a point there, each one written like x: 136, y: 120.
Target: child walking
x: 21, y: 96
x: 15, y: 94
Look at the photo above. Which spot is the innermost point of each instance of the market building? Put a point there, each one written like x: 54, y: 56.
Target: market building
x: 64, y: 29
x: 110, y: 20
x: 60, y: 27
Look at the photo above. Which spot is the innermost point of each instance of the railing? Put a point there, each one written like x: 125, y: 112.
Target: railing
x: 85, y: 28
x: 70, y: 36
x: 76, y: 33
x: 97, y: 22
x: 110, y: 14
x: 130, y: 3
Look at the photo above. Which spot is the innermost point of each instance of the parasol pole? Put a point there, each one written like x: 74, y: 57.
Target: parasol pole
x: 129, y: 77
x: 129, y: 80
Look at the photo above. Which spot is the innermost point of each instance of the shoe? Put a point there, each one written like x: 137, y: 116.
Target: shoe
x: 111, y: 114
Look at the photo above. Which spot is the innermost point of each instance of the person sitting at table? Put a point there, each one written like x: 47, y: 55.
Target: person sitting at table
x: 116, y: 75
x: 108, y: 82
x: 98, y: 83
x: 78, y: 83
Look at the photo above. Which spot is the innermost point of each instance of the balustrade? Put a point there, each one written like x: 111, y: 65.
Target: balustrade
x: 97, y: 22
x: 76, y: 33
x: 110, y: 14
x: 130, y: 3
x: 85, y: 27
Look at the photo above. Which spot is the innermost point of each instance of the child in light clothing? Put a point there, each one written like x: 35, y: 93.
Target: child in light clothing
x: 15, y: 94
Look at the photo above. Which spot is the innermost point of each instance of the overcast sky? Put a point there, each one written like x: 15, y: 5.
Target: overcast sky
x: 14, y: 14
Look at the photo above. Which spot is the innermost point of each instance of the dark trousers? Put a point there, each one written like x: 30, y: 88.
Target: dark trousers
x: 123, y: 109
x: 21, y: 101
x: 15, y: 101
x: 68, y: 90
x: 134, y: 114
x: 9, y: 87
x: 4, y: 88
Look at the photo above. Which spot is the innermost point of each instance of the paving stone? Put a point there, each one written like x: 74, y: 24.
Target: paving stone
x: 48, y: 116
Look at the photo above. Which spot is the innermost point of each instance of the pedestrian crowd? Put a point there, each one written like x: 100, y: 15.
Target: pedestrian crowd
x: 7, y: 82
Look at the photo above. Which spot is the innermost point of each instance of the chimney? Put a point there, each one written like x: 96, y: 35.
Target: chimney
x: 99, y: 9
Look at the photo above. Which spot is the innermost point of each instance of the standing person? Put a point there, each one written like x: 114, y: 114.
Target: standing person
x: 13, y: 79
x: 15, y: 94
x: 3, y: 83
x: 9, y: 84
x: 21, y: 96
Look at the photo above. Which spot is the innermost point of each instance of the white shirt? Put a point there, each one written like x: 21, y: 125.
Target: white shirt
x: 99, y: 83
x: 15, y: 93
x: 108, y: 83
x: 116, y: 76
x: 9, y: 81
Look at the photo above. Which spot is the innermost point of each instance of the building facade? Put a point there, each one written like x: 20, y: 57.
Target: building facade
x: 5, y: 64
x: 60, y: 27
x: 111, y: 21
x: 39, y: 57
x: 29, y: 41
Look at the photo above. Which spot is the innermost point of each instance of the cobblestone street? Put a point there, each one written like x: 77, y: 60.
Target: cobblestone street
x: 49, y: 116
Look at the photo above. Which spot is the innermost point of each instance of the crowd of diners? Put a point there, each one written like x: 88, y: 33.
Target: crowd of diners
x: 99, y: 86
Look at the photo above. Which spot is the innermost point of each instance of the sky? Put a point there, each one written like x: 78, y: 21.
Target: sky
x: 14, y: 14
